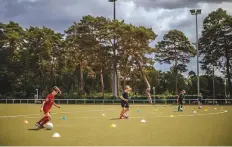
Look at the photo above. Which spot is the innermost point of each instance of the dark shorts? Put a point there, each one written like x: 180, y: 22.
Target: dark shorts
x: 180, y: 101
x: 124, y: 104
x: 46, y: 111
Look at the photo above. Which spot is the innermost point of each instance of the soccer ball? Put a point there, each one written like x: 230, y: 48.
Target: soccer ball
x: 126, y: 115
x: 48, y: 125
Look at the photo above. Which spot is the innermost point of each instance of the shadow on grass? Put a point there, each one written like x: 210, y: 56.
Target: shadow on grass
x: 37, y: 129
x: 177, y: 111
x: 115, y: 119
x: 34, y: 129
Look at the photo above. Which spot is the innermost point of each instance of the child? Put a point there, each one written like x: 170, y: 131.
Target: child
x: 200, y: 101
x: 124, y: 102
x: 180, y: 100
x: 47, y: 105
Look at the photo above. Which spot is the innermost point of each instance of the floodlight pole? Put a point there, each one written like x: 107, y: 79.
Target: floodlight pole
x: 196, y: 12
x: 225, y: 89
x: 37, y: 94
x: 213, y: 84
x: 115, y: 78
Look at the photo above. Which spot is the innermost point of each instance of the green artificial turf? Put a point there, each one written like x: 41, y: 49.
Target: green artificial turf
x: 86, y: 126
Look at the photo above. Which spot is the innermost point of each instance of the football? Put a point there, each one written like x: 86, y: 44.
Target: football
x: 48, y: 125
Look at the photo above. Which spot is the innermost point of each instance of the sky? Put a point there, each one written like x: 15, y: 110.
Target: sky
x: 161, y: 15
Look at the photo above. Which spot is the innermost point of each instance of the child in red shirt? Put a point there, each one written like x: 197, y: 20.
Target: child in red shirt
x: 47, y: 105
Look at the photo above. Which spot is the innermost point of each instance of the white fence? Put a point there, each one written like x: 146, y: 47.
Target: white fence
x: 114, y: 101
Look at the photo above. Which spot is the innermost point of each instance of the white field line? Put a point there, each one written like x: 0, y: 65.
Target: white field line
x: 102, y: 117
x: 24, y: 115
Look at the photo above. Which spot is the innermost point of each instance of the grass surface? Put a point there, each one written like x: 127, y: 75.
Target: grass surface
x: 86, y: 126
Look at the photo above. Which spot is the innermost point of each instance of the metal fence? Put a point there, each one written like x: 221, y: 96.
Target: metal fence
x: 115, y: 101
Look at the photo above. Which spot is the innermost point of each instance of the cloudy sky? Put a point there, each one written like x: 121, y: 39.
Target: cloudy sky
x: 161, y: 15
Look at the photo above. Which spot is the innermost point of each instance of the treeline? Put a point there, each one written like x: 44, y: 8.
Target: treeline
x: 81, y: 60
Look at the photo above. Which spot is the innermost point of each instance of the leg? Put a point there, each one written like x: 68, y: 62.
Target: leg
x: 122, y: 112
x: 38, y: 124
x: 48, y: 118
x: 178, y: 105
x: 181, y: 105
x: 199, y: 104
x: 45, y: 117
x: 126, y: 108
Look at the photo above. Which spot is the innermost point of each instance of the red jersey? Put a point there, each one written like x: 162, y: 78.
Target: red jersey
x: 49, y: 102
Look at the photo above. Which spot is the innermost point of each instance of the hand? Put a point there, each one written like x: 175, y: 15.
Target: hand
x: 58, y: 106
x: 41, y: 109
x: 126, y: 100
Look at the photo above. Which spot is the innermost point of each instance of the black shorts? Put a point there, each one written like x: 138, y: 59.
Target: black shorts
x: 180, y: 101
x: 124, y: 104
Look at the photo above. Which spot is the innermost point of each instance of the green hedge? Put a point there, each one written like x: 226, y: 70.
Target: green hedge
x: 161, y: 97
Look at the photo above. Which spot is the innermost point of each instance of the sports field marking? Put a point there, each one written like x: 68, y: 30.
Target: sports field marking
x: 13, y: 116
x: 86, y: 117
x: 198, y: 114
x: 186, y: 115
x: 147, y: 105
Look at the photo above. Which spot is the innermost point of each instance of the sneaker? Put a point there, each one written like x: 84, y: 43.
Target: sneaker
x: 125, y: 116
x: 38, y: 125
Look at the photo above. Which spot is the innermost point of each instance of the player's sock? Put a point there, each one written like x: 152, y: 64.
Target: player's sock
x: 121, y: 115
x: 45, y: 121
x: 45, y: 117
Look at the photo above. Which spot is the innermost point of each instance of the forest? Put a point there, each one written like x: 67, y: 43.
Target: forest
x: 81, y: 59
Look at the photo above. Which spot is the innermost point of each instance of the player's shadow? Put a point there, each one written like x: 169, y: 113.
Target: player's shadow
x: 37, y: 129
x: 34, y: 129
x: 115, y: 119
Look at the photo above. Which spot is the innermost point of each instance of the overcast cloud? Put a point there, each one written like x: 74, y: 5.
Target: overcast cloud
x: 161, y: 15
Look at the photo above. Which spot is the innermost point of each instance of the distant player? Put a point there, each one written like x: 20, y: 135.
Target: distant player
x: 200, y: 101
x: 47, y: 105
x: 180, y: 100
x: 124, y: 102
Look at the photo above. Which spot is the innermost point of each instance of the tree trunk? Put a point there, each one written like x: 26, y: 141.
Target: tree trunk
x: 124, y: 80
x: 176, y: 72
x: 213, y: 85
x: 81, y: 79
x: 148, y: 89
x: 228, y: 70
x: 102, y: 82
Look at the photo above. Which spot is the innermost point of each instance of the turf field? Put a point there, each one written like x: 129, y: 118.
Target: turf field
x: 85, y: 125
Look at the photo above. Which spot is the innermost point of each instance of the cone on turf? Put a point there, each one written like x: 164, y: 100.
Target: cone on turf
x: 143, y: 121
x: 25, y: 121
x: 103, y: 115
x: 171, y: 116
x: 215, y: 108
x: 56, y: 135
x: 113, y: 126
x: 194, y: 112
x: 206, y: 110
x: 64, y: 118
